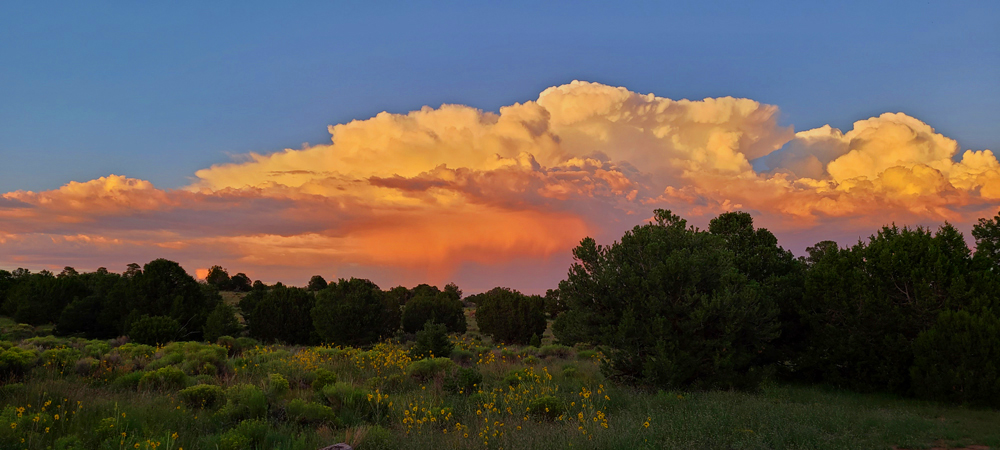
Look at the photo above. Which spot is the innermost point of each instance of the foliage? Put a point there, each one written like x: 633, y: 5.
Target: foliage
x: 152, y: 330
x: 206, y: 396
x: 440, y: 307
x: 671, y: 307
x: 778, y: 274
x: 432, y: 340
x: 510, y: 316
x: 277, y: 385
x: 429, y: 367
x: 323, y: 378
x: 218, y: 277
x: 316, y: 283
x: 221, y: 322
x: 865, y: 305
x: 15, y: 361
x: 165, y: 378
x: 280, y: 314
x: 958, y: 359
x: 309, y: 413
x: 244, y: 401
x: 353, y: 312
x: 465, y: 380
x: 548, y: 407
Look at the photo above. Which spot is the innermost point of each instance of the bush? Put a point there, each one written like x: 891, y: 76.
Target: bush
x: 248, y: 434
x: 431, y: 341
x: 166, y: 378
x: 546, y: 407
x: 308, y: 413
x: 132, y: 351
x: 244, y: 401
x: 221, y: 322
x: 85, y: 367
x: 128, y: 381
x: 342, y: 396
x: 958, y: 360
x: 555, y: 351
x: 16, y: 361
x: 441, y: 307
x: 280, y: 314
x: 59, y: 358
x: 153, y: 330
x: 323, y: 378
x: 277, y: 385
x: 514, y: 378
x: 428, y: 368
x: 510, y: 316
x: 462, y: 356
x: 671, y: 307
x: 208, y: 396
x: 354, y: 312
x: 463, y: 381
x: 867, y: 304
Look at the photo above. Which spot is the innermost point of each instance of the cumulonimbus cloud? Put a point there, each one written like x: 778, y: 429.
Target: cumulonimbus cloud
x: 437, y: 189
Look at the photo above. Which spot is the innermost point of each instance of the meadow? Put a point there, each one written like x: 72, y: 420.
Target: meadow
x: 74, y: 393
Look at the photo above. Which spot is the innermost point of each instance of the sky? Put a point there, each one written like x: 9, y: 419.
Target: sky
x: 474, y: 142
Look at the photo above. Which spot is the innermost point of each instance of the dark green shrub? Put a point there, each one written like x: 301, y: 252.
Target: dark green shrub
x: 132, y: 351
x: 277, y: 385
x: 510, y: 316
x: 341, y: 396
x: 309, y: 413
x: 516, y: 377
x: 222, y: 322
x: 280, y: 314
x: 128, y: 381
x: 244, y: 401
x: 97, y: 349
x: 865, y: 305
x: 555, y: 351
x: 207, y: 396
x: 546, y: 408
x: 440, y: 308
x: 153, y: 330
x: 16, y: 361
x: 462, y: 356
x: 958, y: 359
x: 671, y: 307
x: 354, y: 312
x: 166, y: 378
x: 530, y: 360
x: 86, y: 367
x: 586, y: 355
x: 248, y: 434
x: 69, y: 443
x: 463, y: 381
x: 432, y: 341
x: 59, y: 358
x: 323, y: 378
x: 429, y: 368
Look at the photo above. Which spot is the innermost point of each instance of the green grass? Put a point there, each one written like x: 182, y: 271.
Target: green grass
x: 407, y: 412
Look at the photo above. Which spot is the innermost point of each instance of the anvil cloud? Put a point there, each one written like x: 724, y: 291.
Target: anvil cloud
x: 456, y: 192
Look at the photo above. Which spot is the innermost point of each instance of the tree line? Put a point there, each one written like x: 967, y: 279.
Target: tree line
x: 909, y: 310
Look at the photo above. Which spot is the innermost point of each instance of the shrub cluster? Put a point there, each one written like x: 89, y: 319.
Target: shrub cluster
x: 510, y: 316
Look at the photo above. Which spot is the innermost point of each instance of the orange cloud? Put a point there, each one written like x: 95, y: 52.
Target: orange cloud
x: 440, y: 189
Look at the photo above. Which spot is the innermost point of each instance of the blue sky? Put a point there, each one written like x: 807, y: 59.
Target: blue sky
x: 157, y: 91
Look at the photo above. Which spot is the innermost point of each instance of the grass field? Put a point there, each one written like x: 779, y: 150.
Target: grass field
x: 99, y: 394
